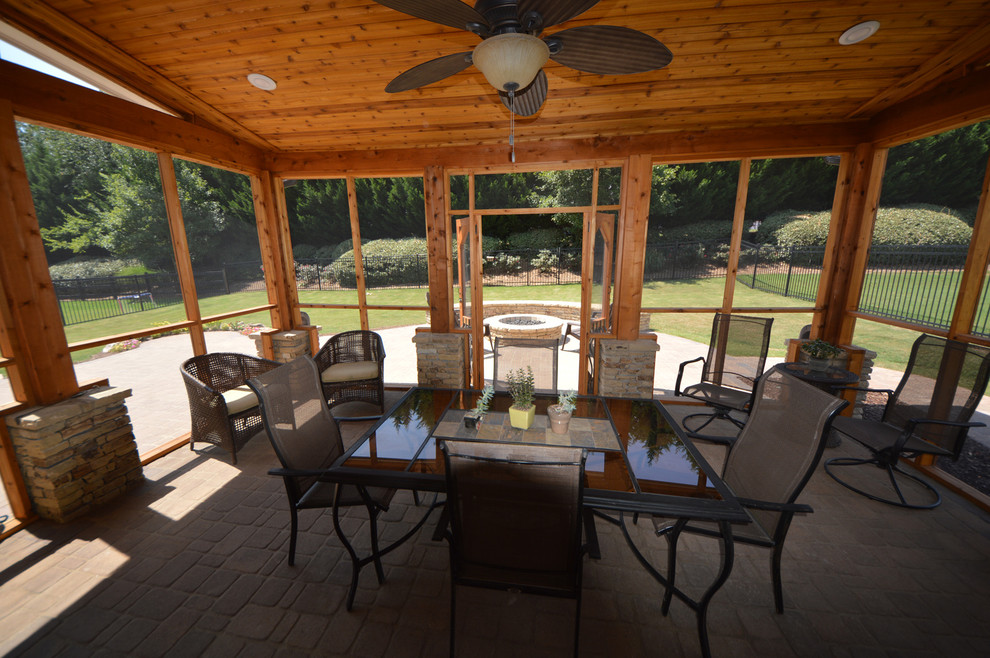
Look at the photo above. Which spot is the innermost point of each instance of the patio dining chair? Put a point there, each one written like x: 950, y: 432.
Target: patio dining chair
x: 352, y: 368
x: 767, y: 467
x: 737, y: 354
x: 515, y: 515
x: 224, y: 410
x: 538, y: 353
x: 928, y: 414
x: 307, y: 441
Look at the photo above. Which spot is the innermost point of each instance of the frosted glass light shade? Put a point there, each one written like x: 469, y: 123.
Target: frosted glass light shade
x: 510, y: 61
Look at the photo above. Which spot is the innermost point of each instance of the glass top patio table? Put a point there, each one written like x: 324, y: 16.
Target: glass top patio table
x: 639, y: 459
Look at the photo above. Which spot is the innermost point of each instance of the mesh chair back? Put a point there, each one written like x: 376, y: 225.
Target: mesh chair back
x: 944, y: 380
x: 515, y: 512
x: 737, y: 351
x: 781, y: 444
x: 515, y: 353
x: 298, y: 423
x: 356, y: 345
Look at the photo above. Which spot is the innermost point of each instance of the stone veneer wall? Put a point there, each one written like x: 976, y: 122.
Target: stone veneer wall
x: 627, y: 368
x: 287, y: 345
x: 78, y: 453
x: 440, y: 359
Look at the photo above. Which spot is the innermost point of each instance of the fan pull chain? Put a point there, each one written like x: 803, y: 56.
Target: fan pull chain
x: 512, y: 125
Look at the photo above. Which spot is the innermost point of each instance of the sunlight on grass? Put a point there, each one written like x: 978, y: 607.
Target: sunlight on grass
x: 893, y: 345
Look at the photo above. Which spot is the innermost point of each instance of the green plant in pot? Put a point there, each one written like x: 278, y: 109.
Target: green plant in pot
x: 560, y: 413
x: 820, y: 353
x: 521, y: 387
x: 473, y: 418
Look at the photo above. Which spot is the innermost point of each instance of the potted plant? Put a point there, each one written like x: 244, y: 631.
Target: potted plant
x: 820, y: 353
x: 521, y: 387
x: 473, y: 418
x: 560, y: 413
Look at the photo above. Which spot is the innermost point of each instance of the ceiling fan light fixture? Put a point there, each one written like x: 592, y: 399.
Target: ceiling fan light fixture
x: 262, y: 81
x: 510, y: 61
x: 860, y: 32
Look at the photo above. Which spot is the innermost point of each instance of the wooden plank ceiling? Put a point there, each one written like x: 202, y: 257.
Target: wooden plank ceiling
x: 737, y: 64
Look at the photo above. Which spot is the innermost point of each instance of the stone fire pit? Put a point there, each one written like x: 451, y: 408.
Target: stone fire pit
x: 525, y: 325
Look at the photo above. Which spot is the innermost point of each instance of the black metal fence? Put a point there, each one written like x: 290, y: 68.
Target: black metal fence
x: 907, y: 283
x: 916, y: 284
x: 99, y: 298
x: 788, y: 271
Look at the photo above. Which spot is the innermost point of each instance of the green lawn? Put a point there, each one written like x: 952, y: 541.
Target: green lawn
x: 892, y: 345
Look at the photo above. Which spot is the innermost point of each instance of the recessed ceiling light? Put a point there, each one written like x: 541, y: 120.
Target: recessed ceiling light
x: 262, y: 81
x: 858, y: 33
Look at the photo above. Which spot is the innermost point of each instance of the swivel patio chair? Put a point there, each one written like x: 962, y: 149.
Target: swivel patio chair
x: 352, y: 368
x: 223, y: 409
x: 737, y: 354
x: 515, y: 516
x: 928, y: 414
x: 307, y: 441
x: 767, y: 467
x: 538, y: 353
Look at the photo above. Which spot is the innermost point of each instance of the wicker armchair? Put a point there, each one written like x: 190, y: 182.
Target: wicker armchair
x: 352, y: 368
x: 224, y: 409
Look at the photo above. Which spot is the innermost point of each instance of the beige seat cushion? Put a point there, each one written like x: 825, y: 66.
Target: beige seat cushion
x: 350, y: 371
x: 239, y: 399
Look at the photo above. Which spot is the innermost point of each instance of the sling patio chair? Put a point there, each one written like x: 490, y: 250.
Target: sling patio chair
x: 307, y: 441
x: 515, y: 515
x: 767, y: 467
x: 352, y: 368
x: 928, y: 414
x: 538, y: 353
x: 223, y: 409
x: 737, y: 354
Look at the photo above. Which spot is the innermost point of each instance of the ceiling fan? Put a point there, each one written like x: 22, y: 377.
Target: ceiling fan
x: 512, y: 54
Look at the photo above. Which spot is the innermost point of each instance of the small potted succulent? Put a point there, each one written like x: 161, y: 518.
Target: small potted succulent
x: 820, y: 353
x: 560, y: 413
x: 472, y: 419
x: 521, y: 387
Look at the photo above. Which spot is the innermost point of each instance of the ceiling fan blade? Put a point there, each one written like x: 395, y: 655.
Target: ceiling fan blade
x: 555, y: 12
x: 528, y: 101
x: 607, y: 49
x: 446, y: 12
x: 429, y: 72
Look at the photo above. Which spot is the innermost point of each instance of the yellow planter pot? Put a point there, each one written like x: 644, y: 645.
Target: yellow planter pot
x: 522, y: 418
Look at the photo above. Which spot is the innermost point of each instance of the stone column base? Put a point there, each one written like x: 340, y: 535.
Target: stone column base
x: 76, y: 454
x: 627, y: 368
x: 440, y: 359
x: 284, y: 346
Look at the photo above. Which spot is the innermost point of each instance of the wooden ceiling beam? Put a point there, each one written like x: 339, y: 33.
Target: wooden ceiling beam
x: 954, y: 104
x: 42, y: 99
x: 952, y: 58
x: 54, y: 29
x: 782, y: 141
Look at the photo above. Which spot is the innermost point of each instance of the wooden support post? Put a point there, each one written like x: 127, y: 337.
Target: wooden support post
x: 637, y: 178
x: 855, y: 232
x: 438, y: 249
x: 352, y: 206
x: 735, y: 241
x: 977, y: 259
x: 34, y: 329
x: 477, y: 296
x: 276, y: 250
x: 180, y: 250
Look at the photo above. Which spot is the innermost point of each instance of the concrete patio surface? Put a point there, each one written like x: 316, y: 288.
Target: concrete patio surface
x: 193, y: 563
